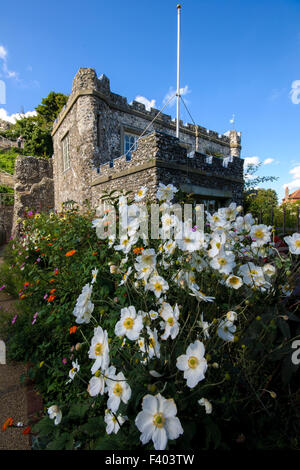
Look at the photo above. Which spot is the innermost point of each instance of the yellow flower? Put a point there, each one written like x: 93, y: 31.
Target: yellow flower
x: 42, y: 363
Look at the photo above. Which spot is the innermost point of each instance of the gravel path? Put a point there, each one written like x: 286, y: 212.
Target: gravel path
x: 13, y: 395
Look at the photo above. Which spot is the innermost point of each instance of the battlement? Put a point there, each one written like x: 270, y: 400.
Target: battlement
x: 161, y: 147
x: 87, y: 82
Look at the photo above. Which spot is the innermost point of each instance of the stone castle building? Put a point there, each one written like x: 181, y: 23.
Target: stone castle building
x: 98, y: 147
x: 102, y: 143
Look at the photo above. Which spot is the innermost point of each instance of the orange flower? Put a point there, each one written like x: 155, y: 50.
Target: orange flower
x: 26, y: 430
x: 52, y: 280
x: 23, y: 296
x: 73, y: 329
x: 26, y: 284
x: 7, y: 423
x: 53, y: 290
x: 95, y: 253
x: 50, y: 244
x: 51, y: 297
x: 137, y: 251
x: 70, y: 253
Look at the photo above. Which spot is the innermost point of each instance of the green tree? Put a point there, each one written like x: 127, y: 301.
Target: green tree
x: 260, y: 200
x: 50, y: 107
x: 36, y: 130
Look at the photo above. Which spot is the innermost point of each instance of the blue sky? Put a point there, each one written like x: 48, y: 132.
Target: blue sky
x: 237, y: 57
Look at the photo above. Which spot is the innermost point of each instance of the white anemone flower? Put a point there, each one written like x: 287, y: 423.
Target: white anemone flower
x: 130, y: 323
x: 207, y: 404
x: 158, y: 421
x: 234, y: 281
x: 261, y: 234
x: 141, y: 194
x: 200, y: 296
x: 99, y: 350
x: 294, y: 243
x: 125, y: 276
x: 126, y: 243
x: 118, y: 390
x: 94, y: 275
x: 223, y: 262
x: 204, y: 325
x: 147, y: 259
x: 169, y: 247
x: 72, y: 372
x: 166, y: 193
x: 189, y: 240
x: 231, y: 316
x: 230, y: 212
x: 226, y: 330
x: 84, y: 307
x: 244, y: 223
x: 113, y: 422
x: 96, y: 385
x: 55, y: 413
x: 269, y: 269
x: 158, y: 285
x: 193, y: 363
x: 151, y: 346
x: 170, y: 317
x: 217, y: 244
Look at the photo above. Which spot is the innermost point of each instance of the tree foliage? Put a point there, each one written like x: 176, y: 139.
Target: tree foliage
x: 36, y: 130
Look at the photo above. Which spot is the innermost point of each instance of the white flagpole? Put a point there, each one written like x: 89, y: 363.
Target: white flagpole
x: 178, y: 69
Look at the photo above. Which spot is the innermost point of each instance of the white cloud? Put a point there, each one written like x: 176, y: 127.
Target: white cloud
x: 295, y: 92
x: 295, y: 183
x: 183, y: 91
x: 148, y: 104
x: 3, y: 53
x: 295, y: 172
x: 14, y: 117
x: 251, y: 161
x: 5, y: 70
x: 267, y: 161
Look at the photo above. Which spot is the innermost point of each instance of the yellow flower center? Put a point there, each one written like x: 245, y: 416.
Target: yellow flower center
x: 259, y: 234
x: 158, y: 420
x: 114, y: 419
x: 222, y: 261
x: 124, y: 242
x: 147, y: 259
x: 218, y: 245
x: 152, y: 343
x: 157, y: 286
x: 128, y: 323
x: 118, y: 389
x: 171, y: 321
x: 98, y: 349
x: 297, y: 243
x: 193, y: 362
x: 234, y: 280
x: 140, y: 193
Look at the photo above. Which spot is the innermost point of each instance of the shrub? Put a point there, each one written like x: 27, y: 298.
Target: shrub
x: 181, y: 342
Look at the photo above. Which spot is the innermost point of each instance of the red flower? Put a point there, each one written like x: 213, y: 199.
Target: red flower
x: 51, y: 297
x: 53, y: 290
x: 26, y: 430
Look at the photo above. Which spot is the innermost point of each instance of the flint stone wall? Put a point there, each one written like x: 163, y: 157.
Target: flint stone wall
x: 34, y: 188
x: 95, y: 119
x: 160, y: 158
